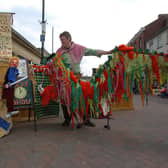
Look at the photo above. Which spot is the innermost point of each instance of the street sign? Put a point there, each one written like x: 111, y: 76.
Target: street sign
x: 42, y: 37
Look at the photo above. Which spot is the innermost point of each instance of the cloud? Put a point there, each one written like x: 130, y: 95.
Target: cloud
x: 97, y: 24
x: 27, y: 23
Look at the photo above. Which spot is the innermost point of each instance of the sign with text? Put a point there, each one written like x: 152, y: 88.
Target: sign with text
x: 23, y: 94
x: 5, y: 36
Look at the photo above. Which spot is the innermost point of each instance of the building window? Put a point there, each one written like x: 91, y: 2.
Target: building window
x: 151, y: 45
x: 159, y: 42
x: 140, y: 43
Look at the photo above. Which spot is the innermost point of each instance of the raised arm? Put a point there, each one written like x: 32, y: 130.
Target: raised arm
x: 102, y: 52
x: 99, y: 53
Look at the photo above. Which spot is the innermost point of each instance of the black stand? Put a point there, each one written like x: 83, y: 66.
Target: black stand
x: 35, y: 121
x: 29, y: 114
x: 147, y: 99
x: 108, y: 122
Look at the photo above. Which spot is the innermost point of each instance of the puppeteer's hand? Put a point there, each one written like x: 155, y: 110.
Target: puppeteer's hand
x: 111, y: 51
x: 102, y: 52
x: 6, y: 86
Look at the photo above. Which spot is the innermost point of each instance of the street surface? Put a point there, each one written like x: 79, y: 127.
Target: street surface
x: 137, y: 139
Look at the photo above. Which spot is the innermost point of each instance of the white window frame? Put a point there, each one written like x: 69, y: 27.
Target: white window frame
x: 159, y: 42
x: 151, y: 44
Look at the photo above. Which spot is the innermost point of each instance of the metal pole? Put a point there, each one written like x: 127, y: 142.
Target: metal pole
x: 52, y: 39
x: 42, y: 37
x: 108, y: 122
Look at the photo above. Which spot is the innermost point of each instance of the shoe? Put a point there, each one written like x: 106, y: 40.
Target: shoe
x: 8, y: 115
x: 14, y: 112
x: 66, y: 123
x: 89, y: 123
x: 79, y: 125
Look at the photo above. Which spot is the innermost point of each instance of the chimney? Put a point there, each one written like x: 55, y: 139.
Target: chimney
x: 163, y: 16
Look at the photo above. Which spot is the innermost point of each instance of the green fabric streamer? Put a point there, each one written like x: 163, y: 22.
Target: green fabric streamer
x: 125, y: 86
x: 110, y: 88
x: 78, y: 96
x: 115, y: 49
x: 140, y: 74
x: 147, y: 51
x: 83, y: 101
x: 132, y: 78
x: 90, y: 103
x: 140, y: 50
x: 95, y: 97
x: 73, y: 95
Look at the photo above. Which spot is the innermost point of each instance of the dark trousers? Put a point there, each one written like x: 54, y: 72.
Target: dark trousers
x: 65, y: 112
x: 66, y: 115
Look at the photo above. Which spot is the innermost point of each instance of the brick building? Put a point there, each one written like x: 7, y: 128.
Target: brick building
x: 153, y: 36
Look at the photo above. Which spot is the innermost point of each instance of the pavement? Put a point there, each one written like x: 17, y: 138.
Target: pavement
x: 137, y: 139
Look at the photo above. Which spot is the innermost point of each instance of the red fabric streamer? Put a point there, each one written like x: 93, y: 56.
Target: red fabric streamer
x: 49, y: 93
x: 73, y: 77
x: 155, y: 67
x: 141, y: 90
x: 165, y: 56
x: 131, y: 55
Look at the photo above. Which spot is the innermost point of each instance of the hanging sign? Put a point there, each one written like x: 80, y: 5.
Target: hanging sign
x: 5, y: 36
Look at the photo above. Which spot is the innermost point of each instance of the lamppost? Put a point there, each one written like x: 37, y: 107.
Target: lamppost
x: 52, y: 39
x: 43, y: 28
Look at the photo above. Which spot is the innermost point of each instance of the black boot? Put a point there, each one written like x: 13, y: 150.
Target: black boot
x: 79, y: 125
x: 89, y: 123
x: 66, y: 123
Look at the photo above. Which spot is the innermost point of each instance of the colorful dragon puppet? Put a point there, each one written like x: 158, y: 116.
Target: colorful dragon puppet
x: 113, y: 81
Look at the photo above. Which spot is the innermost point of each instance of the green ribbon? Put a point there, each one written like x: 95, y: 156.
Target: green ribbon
x: 110, y: 88
x: 132, y: 78
x: 140, y: 74
x: 73, y: 96
x: 83, y: 101
x: 125, y: 86
x: 95, y: 97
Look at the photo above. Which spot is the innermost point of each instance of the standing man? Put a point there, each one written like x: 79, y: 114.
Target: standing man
x: 72, y: 54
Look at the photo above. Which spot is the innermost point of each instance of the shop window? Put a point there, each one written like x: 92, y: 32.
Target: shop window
x: 140, y: 43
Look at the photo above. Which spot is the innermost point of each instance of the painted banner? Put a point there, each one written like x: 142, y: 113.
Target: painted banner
x: 5, y: 36
x: 23, y: 68
x: 23, y: 94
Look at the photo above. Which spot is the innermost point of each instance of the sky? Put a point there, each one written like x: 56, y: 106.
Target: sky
x: 97, y: 24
